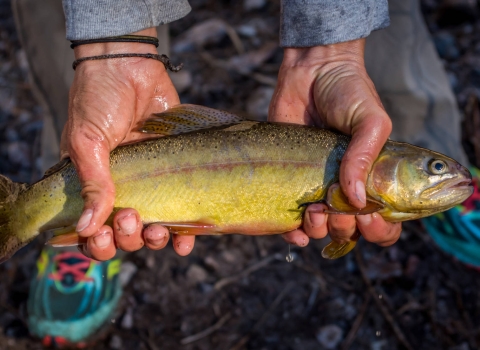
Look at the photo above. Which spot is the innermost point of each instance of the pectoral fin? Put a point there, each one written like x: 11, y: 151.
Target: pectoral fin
x: 338, y: 203
x: 187, y: 118
x: 334, y: 250
x: 65, y: 237
x: 66, y: 240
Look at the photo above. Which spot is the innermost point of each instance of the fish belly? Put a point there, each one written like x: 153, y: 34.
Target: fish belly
x: 250, y: 198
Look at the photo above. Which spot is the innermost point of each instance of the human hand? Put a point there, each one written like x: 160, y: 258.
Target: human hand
x: 107, y: 100
x: 328, y: 86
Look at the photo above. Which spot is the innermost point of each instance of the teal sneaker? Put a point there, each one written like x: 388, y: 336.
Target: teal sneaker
x: 457, y: 231
x: 71, y: 298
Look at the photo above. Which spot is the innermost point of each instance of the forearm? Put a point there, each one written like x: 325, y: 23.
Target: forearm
x: 89, y: 19
x: 306, y: 23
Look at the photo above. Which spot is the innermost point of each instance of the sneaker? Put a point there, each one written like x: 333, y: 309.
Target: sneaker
x: 72, y: 297
x: 457, y: 231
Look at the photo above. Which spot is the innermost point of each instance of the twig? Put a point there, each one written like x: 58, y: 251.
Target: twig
x: 218, y: 63
x: 357, y: 323
x: 388, y: 316
x: 262, y: 263
x: 206, y: 332
x: 264, y: 317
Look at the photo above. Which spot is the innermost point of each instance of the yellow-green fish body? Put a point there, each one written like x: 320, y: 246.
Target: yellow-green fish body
x: 237, y: 177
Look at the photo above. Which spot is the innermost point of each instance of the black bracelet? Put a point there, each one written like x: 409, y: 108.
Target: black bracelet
x: 162, y: 58
x: 118, y: 39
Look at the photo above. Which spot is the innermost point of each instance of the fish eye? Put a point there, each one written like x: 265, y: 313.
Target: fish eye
x: 437, y: 166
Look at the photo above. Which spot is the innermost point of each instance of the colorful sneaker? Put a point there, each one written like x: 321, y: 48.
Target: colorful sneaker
x: 457, y: 231
x: 71, y: 298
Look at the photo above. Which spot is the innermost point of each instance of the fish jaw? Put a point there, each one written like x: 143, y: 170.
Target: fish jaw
x: 451, y: 191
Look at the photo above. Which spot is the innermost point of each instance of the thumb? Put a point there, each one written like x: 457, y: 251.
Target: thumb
x: 91, y: 157
x: 368, y: 137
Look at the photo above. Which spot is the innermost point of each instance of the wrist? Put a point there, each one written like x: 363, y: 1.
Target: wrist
x: 320, y: 56
x: 97, y: 49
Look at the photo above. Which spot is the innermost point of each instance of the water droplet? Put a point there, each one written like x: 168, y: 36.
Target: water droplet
x: 112, y: 320
x: 380, y: 296
x: 289, y: 256
x: 378, y: 333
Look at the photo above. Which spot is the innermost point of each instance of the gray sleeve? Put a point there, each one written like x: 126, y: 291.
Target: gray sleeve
x: 90, y: 19
x: 305, y: 23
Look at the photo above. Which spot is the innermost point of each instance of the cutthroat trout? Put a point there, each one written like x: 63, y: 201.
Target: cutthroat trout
x: 215, y: 173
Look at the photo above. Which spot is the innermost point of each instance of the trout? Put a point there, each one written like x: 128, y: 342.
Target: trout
x: 215, y: 173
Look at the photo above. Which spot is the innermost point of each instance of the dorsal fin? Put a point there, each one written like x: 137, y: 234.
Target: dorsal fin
x: 187, y: 118
x: 60, y: 165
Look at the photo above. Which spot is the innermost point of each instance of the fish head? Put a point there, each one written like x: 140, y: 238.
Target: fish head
x: 415, y: 182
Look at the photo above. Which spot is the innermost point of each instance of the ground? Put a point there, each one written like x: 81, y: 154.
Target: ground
x: 241, y: 289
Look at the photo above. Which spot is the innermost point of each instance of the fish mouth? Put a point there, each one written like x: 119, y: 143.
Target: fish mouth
x: 460, y: 183
x: 458, y: 190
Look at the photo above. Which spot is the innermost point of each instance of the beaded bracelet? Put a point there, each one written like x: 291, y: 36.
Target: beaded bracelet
x: 118, y: 39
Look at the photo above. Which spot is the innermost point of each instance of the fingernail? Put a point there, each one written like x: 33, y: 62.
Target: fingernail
x: 103, y: 240
x: 128, y: 224
x: 155, y: 238
x: 364, y: 219
x: 360, y: 192
x: 317, y: 219
x: 84, y: 220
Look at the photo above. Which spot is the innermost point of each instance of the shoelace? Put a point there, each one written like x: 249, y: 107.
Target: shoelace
x: 72, y: 263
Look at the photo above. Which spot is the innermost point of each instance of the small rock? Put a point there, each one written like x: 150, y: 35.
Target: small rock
x: 258, y: 102
x: 330, y: 336
x: 229, y: 256
x: 207, y: 32
x: 250, y: 5
x: 211, y: 262
x: 115, y: 342
x: 247, y: 30
x: 127, y: 320
x: 196, y: 274
x: 127, y: 270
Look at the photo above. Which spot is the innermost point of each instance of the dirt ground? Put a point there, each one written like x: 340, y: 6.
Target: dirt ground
x: 240, y: 292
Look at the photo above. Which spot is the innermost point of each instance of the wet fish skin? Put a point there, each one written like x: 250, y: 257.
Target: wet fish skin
x: 243, y: 177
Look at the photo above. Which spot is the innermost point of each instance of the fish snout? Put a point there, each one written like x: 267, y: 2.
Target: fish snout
x: 464, y: 172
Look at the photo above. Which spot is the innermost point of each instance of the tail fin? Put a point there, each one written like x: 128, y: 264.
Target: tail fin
x: 9, y: 242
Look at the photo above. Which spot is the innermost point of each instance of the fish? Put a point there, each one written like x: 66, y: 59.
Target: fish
x: 215, y: 173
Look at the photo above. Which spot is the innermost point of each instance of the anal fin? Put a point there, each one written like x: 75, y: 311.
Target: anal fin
x: 190, y: 228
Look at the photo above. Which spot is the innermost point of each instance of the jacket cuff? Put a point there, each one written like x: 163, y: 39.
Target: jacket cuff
x: 92, y: 19
x: 322, y: 22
